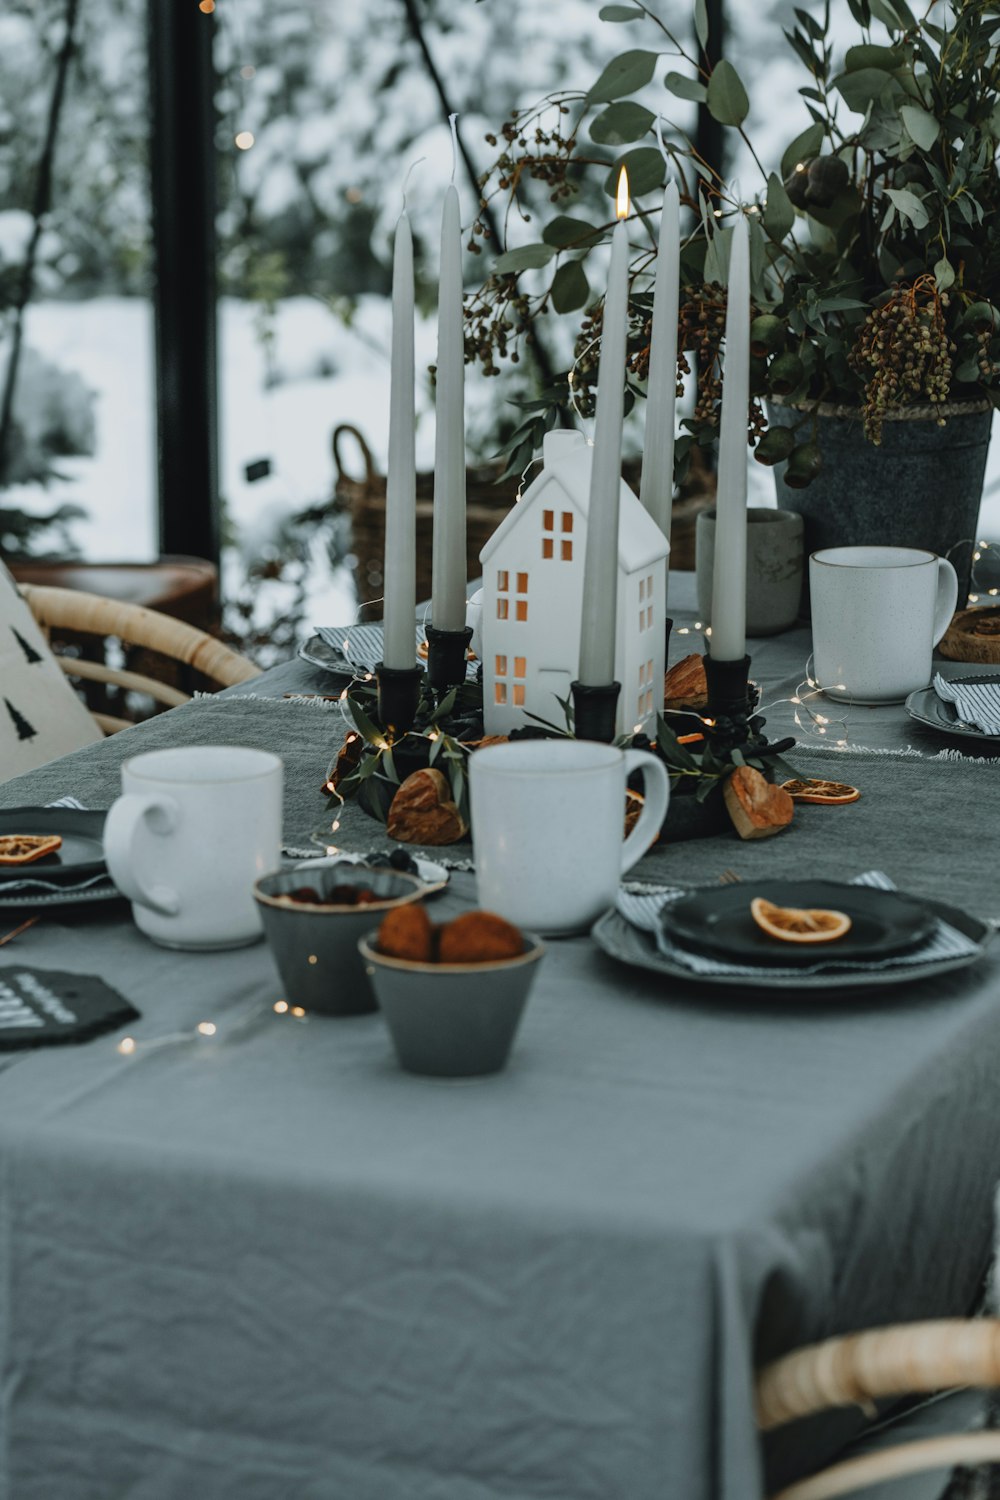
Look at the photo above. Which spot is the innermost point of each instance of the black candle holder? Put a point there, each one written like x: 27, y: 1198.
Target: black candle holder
x: 398, y: 696
x: 595, y: 710
x: 446, y: 656
x: 668, y: 626
x: 728, y: 687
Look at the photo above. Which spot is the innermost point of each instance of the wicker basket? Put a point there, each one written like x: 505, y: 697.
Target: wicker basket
x: 488, y: 499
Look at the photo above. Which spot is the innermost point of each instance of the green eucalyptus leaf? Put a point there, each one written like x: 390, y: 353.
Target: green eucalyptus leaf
x: 620, y: 123
x: 727, y: 98
x: 717, y: 257
x: 910, y: 206
x: 944, y: 274
x: 524, y: 258
x: 362, y: 723
x: 867, y: 55
x: 623, y: 75
x: 685, y: 88
x: 620, y: 13
x: 886, y: 14
x: 645, y: 167
x: 921, y: 126
x: 809, y: 24
x: 565, y: 232
x: 570, y: 287
x: 863, y: 88
x: 803, y: 148
x: 701, y: 22
x: 779, y: 215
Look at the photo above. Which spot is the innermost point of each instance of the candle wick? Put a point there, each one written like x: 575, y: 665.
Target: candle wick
x: 453, y: 122
x: 406, y: 179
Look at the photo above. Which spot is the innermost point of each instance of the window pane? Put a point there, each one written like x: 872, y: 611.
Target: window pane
x: 83, y: 428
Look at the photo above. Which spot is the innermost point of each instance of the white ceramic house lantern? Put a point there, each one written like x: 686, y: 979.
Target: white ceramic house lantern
x: 532, y: 600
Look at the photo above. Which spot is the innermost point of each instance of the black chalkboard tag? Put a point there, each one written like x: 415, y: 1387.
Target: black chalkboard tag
x: 39, y: 1007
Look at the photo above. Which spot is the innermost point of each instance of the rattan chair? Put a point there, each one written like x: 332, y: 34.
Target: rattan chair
x: 71, y: 611
x: 909, y: 1359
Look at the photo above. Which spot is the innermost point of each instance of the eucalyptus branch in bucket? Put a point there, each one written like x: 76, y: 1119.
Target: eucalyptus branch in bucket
x: 875, y: 236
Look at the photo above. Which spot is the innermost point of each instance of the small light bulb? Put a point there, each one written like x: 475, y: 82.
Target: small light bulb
x: 126, y: 1045
x: 313, y: 959
x: 206, y: 7
x: 248, y: 71
x: 206, y: 1028
x: 281, y: 1007
x: 245, y: 140
x: 297, y: 1010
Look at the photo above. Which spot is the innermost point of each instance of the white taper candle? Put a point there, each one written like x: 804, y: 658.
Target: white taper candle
x: 600, y: 566
x: 400, y: 586
x: 657, y: 487
x: 448, y: 575
x: 729, y: 576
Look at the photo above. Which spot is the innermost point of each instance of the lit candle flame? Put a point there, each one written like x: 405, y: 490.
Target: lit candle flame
x: 622, y: 206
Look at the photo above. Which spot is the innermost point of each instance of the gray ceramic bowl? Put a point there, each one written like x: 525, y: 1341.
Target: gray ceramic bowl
x: 452, y: 1020
x: 316, y: 947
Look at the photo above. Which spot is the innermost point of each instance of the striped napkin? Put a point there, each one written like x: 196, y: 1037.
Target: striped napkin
x: 361, y: 645
x: 642, y: 906
x: 37, y: 885
x: 976, y: 703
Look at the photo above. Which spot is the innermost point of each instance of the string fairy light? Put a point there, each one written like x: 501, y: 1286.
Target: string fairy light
x: 210, y: 1034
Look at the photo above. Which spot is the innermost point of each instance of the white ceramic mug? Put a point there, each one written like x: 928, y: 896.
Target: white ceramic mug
x: 548, y: 821
x: 877, y: 614
x: 193, y: 830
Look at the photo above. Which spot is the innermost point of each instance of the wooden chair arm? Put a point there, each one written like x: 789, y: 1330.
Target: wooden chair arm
x: 894, y: 1463
x: 907, y: 1359
x: 71, y: 609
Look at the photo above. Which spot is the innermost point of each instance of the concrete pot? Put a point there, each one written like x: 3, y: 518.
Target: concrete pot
x: 774, y: 567
x: 921, y: 487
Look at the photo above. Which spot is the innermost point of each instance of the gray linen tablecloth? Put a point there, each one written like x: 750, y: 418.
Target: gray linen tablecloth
x: 274, y: 1266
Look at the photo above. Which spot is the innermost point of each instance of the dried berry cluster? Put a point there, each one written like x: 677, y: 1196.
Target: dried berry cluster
x: 701, y: 328
x: 496, y: 319
x: 529, y: 149
x: 903, y: 352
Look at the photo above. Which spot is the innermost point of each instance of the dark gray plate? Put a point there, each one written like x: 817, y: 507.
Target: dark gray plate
x: 621, y: 941
x: 718, y: 922
x: 926, y: 707
x: 82, y: 852
x: 318, y: 654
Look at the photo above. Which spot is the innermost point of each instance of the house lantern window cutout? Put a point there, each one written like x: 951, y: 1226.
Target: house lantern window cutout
x: 537, y: 555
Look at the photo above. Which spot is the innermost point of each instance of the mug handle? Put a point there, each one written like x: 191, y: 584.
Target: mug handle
x: 123, y: 823
x: 947, y: 598
x: 656, y: 791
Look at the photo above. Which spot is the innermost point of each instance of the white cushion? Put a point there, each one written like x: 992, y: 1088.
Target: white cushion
x: 41, y: 716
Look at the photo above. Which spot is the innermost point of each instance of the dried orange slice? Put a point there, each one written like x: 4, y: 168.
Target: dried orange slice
x: 814, y: 790
x: 793, y: 924
x: 25, y: 848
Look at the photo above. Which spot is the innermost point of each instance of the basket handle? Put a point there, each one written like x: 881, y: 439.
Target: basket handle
x: 371, y: 473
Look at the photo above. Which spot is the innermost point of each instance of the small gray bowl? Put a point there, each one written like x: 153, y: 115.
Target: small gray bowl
x: 316, y: 947
x: 452, y: 1020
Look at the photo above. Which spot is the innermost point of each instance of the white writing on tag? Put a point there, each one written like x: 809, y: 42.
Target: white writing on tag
x: 46, y: 998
